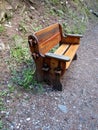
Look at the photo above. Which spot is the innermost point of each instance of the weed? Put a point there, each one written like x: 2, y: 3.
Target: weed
x: 18, y: 40
x: 66, y: 28
x: 23, y: 27
x: 25, y: 78
x: 60, y: 12
x: 1, y: 124
x: 11, y: 88
x: 2, y: 29
x: 52, y: 12
x: 3, y: 93
x: 2, y: 108
x: 54, y: 49
x: 36, y: 28
x: 20, y: 52
x: 55, y: 1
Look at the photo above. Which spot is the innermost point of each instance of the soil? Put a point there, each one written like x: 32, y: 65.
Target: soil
x: 75, y: 108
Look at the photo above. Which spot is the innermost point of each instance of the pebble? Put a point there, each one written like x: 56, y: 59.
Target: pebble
x: 63, y: 108
x: 28, y: 119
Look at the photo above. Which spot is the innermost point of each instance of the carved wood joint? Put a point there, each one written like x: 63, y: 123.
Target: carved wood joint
x: 45, y: 67
x: 32, y: 40
x: 35, y: 55
x: 58, y: 70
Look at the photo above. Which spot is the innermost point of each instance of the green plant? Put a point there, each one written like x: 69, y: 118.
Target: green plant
x: 3, y: 93
x: 21, y: 67
x: 60, y: 12
x: 1, y: 104
x: 52, y: 12
x: 54, y: 49
x: 54, y: 1
x: 36, y: 28
x: 25, y: 78
x: 1, y: 124
x: 23, y: 27
x: 2, y: 28
x: 66, y: 28
x: 20, y: 52
x: 11, y: 88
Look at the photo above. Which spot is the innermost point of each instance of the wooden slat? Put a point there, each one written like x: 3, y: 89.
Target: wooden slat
x: 48, y: 32
x: 71, y: 40
x: 49, y: 44
x: 70, y: 53
x: 61, y: 49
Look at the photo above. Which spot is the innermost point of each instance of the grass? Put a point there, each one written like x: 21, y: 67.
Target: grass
x: 36, y: 27
x: 25, y: 79
x: 1, y: 124
x: 20, y: 52
x: 2, y: 107
x: 21, y: 66
x: 2, y: 29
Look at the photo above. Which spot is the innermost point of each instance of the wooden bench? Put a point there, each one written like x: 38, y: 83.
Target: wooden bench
x: 50, y: 67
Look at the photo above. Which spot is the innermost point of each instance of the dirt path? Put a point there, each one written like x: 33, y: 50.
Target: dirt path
x: 75, y: 108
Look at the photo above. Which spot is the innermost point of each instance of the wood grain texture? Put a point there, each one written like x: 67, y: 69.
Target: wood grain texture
x: 62, y: 49
x: 45, y: 34
x: 71, y: 40
x: 49, y: 43
x: 71, y: 53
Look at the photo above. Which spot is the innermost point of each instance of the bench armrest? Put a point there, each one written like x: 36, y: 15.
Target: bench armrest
x: 74, y: 35
x: 60, y: 57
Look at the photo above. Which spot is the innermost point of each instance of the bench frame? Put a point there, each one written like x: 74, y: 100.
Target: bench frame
x: 50, y: 67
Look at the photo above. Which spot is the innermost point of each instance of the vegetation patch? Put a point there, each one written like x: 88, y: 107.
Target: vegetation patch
x: 22, y: 66
x: 2, y: 29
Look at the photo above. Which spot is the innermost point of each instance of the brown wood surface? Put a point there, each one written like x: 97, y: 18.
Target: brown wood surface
x: 49, y: 43
x: 71, y: 40
x: 62, y: 49
x: 55, y: 63
x: 49, y: 37
x: 71, y: 53
x: 46, y: 33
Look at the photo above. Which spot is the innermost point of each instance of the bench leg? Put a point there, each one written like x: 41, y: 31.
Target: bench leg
x: 57, y: 86
x: 75, y: 57
x: 39, y: 72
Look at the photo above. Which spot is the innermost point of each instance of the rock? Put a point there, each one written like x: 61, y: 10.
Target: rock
x: 28, y: 119
x: 63, y: 108
x: 31, y: 7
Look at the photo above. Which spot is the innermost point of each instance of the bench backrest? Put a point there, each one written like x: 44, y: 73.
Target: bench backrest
x: 49, y: 37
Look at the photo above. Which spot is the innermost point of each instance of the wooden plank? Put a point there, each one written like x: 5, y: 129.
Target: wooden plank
x: 71, y: 40
x: 49, y: 44
x: 62, y: 49
x: 44, y: 34
x: 59, y: 57
x: 71, y: 53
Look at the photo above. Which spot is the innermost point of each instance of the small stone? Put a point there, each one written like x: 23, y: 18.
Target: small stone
x: 74, y: 107
x: 28, y: 119
x: 63, y: 108
x: 31, y: 7
x: 18, y: 125
x: 7, y: 101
